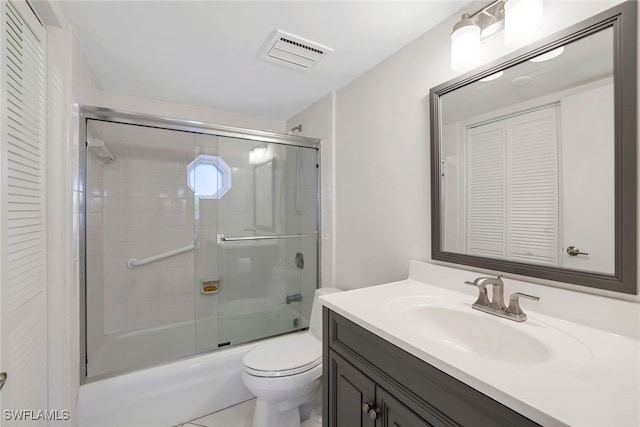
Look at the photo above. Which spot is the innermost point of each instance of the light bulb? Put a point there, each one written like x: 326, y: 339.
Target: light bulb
x: 521, y: 22
x: 465, y: 45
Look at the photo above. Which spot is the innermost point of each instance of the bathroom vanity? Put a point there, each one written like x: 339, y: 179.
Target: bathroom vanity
x: 415, y: 353
x: 369, y: 379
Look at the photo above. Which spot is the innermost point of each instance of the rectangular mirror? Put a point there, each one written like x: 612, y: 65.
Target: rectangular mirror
x: 534, y: 159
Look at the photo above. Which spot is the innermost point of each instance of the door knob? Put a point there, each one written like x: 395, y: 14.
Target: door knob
x: 573, y: 251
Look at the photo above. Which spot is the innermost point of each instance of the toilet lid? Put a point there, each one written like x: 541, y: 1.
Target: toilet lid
x: 284, y: 356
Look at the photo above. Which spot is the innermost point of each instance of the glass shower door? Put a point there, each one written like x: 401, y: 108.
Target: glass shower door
x: 193, y: 241
x: 139, y: 256
x: 267, y: 240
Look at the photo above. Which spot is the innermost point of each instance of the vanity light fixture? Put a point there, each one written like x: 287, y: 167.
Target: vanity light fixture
x: 519, y: 18
x: 465, y: 44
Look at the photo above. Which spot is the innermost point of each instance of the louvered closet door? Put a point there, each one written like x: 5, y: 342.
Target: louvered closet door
x: 532, y: 187
x: 486, y: 191
x: 23, y: 343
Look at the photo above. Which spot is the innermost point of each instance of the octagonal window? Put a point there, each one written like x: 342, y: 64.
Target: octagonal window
x: 209, y: 177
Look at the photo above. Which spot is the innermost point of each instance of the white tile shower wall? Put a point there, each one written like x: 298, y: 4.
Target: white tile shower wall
x: 206, y: 261
x: 147, y: 209
x: 94, y: 238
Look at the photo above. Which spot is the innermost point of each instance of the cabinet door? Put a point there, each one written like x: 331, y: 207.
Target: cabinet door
x: 395, y: 414
x: 348, y: 390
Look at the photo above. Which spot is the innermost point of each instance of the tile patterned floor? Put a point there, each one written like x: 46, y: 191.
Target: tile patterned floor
x: 241, y: 415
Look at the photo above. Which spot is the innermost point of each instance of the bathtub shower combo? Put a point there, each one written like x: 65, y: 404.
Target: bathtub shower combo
x: 197, y: 241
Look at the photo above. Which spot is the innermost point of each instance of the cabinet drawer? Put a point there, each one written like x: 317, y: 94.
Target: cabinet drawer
x: 433, y: 395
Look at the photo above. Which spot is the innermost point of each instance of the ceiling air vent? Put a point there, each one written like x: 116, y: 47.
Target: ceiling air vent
x: 293, y: 51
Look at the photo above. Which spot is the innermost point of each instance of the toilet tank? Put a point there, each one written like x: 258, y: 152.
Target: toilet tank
x: 315, y: 324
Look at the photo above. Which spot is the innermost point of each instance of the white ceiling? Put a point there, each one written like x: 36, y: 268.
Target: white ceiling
x: 207, y: 53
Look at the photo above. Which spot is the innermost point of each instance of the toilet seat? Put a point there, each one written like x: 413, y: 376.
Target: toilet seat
x: 285, y: 356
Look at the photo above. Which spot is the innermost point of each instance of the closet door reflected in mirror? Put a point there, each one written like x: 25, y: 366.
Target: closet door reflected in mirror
x: 528, y: 184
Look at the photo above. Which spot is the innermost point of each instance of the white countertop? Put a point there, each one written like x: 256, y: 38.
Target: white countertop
x: 596, y: 382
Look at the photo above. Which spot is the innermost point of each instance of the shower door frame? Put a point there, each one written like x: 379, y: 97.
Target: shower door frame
x: 87, y: 112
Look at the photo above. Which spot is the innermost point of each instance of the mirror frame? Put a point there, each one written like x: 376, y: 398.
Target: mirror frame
x: 623, y: 19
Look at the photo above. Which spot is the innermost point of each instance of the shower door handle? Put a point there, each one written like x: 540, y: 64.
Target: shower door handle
x: 222, y: 238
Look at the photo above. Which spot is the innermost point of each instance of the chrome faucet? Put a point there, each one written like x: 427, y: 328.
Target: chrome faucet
x: 292, y: 298
x: 496, y: 306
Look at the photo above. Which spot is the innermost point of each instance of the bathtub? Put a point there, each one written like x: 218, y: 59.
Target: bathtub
x: 169, y: 394
x: 166, y: 395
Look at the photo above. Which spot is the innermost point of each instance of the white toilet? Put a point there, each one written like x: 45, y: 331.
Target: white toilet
x: 285, y: 373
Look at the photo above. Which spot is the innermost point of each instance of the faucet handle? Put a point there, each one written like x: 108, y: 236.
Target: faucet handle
x: 483, y: 298
x: 514, y: 303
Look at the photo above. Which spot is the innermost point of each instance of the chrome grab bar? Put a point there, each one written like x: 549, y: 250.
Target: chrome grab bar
x: 134, y: 263
x: 222, y: 238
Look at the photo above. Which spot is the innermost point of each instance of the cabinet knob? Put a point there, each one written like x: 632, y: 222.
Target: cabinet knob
x: 370, y: 409
x: 374, y: 413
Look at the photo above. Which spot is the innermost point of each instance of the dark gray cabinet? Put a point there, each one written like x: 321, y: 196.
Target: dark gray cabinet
x: 359, y: 402
x: 350, y: 390
x: 397, y: 388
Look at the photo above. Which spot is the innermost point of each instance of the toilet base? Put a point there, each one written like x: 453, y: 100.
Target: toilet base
x: 289, y: 413
x: 267, y: 415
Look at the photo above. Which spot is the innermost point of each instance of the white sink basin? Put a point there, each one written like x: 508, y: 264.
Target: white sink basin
x: 457, y: 327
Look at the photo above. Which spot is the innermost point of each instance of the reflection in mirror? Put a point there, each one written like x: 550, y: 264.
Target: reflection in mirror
x: 529, y: 170
x: 534, y: 159
x: 263, y: 192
